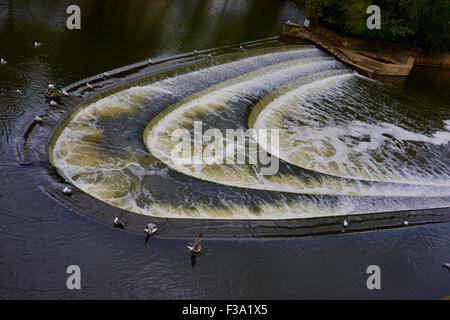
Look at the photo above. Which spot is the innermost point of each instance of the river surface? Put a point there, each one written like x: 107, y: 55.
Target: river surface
x: 391, y: 145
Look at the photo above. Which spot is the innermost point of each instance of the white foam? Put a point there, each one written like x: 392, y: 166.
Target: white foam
x: 349, y: 149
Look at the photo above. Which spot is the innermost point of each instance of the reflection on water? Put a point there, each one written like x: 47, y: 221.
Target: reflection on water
x: 39, y: 238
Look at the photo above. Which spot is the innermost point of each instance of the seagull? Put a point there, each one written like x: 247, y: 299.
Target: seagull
x: 106, y: 75
x: 64, y: 92
x: 3, y: 62
x: 151, y: 229
x: 196, y: 52
x: 196, y: 247
x: 405, y: 222
x: 67, y: 191
x: 18, y: 91
x: 38, y: 119
x: 53, y: 103
x: 89, y: 86
x: 118, y: 223
x: 51, y: 87
x: 150, y: 61
x: 37, y: 44
x: 210, y: 56
x: 345, y: 223
x: 241, y: 48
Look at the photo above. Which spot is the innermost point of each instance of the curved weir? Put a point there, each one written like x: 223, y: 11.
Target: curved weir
x: 341, y: 149
x: 343, y: 126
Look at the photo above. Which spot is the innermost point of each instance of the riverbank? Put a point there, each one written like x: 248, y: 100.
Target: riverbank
x: 369, y: 57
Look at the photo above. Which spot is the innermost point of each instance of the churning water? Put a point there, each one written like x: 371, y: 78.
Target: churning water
x: 346, y: 146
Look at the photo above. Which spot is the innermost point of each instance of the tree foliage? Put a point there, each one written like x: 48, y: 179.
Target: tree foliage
x: 424, y: 23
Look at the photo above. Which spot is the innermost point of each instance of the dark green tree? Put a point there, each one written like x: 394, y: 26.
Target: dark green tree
x: 424, y: 23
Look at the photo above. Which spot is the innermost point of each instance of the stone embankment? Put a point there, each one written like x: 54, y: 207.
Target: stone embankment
x: 371, y: 58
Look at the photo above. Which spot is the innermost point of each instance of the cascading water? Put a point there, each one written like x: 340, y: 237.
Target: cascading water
x: 343, y: 147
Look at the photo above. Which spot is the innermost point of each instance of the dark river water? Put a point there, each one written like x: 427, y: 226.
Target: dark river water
x: 39, y: 238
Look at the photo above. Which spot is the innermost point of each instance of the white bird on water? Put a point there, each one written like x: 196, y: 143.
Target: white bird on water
x: 345, y: 223
x: 106, y: 75
x: 196, y: 247
x: 89, y: 86
x: 196, y: 52
x: 64, y: 92
x: 18, y: 91
x: 37, y: 44
x: 51, y: 87
x: 53, y: 103
x: 3, y: 62
x: 150, y: 61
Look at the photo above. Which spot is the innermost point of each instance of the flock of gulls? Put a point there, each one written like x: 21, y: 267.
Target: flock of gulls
x: 150, y: 229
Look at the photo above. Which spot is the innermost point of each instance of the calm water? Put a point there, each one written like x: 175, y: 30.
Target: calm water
x: 39, y: 238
